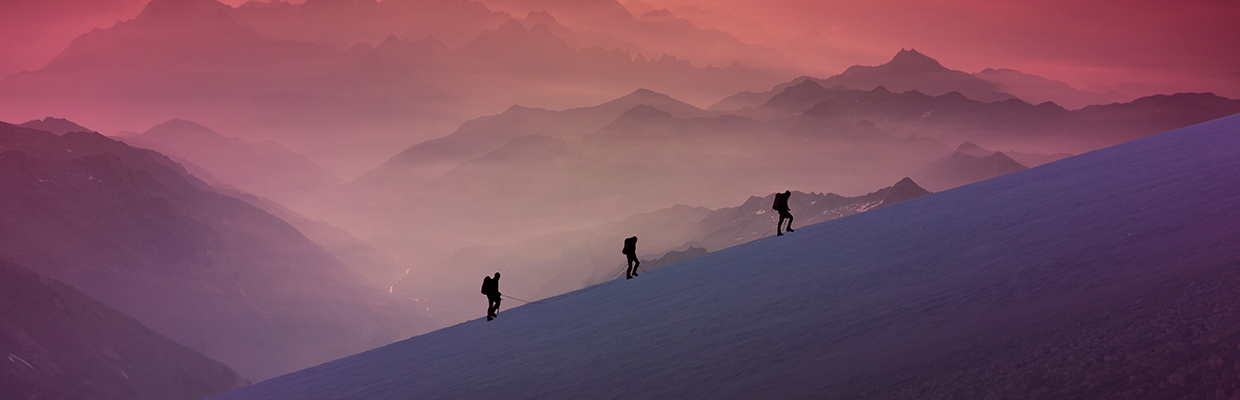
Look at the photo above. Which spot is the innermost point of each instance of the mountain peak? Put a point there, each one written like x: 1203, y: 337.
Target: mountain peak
x: 181, y: 128
x: 511, y: 27
x: 644, y: 93
x: 178, y: 9
x: 58, y: 126
x: 912, y: 59
x: 659, y: 14
x: 646, y: 111
x: 903, y: 190
x: 542, y: 17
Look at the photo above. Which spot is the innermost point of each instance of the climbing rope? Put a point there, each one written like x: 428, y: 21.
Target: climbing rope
x: 623, y: 267
x: 768, y: 231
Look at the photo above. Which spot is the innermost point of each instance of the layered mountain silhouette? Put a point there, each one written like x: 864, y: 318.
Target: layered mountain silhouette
x: 267, y: 168
x: 58, y: 343
x: 658, y: 30
x: 376, y: 266
x: 59, y: 126
x: 968, y: 164
x: 1034, y: 89
x: 908, y: 70
x: 911, y: 70
x: 131, y: 228
x: 1010, y: 123
x: 345, y: 22
x: 348, y: 108
x: 479, y: 136
x: 32, y: 41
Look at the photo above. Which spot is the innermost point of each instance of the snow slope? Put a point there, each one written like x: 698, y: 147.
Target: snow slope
x: 1109, y: 274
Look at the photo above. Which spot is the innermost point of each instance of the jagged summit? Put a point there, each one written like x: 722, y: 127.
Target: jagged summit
x: 180, y: 128
x: 903, y: 190
x: 968, y: 146
x: 180, y: 9
x: 541, y: 17
x: 912, y: 59
x: 59, y: 126
x: 973, y: 150
x: 658, y: 100
x: 645, y: 111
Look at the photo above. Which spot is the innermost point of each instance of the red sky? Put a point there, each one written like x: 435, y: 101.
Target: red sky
x: 1166, y: 45
x: 1191, y: 45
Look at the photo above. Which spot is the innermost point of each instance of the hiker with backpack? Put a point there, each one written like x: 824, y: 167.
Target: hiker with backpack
x: 490, y: 287
x: 781, y: 205
x: 630, y: 250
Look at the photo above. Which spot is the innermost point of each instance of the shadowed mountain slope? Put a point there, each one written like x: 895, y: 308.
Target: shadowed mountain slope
x: 1107, y: 275
x: 57, y: 126
x: 266, y: 169
x: 131, y: 228
x: 62, y: 344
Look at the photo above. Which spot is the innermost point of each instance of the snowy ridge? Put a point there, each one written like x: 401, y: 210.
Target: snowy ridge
x: 871, y: 304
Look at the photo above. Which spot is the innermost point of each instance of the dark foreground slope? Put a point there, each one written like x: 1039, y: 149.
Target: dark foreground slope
x: 1107, y: 275
x: 57, y: 343
x: 130, y: 228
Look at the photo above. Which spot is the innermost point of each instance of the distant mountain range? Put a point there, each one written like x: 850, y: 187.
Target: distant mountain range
x: 348, y: 108
x: 1034, y: 89
x: 479, y: 136
x: 910, y: 70
x: 58, y: 343
x: 1011, y: 123
x: 267, y: 169
x: 59, y: 126
x: 968, y: 164
x: 131, y: 228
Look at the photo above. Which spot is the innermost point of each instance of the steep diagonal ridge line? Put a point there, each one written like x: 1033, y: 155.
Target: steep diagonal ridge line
x: 1119, y: 267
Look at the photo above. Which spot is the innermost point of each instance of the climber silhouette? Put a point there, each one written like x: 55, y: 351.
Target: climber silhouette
x: 781, y: 205
x: 630, y: 250
x: 490, y: 287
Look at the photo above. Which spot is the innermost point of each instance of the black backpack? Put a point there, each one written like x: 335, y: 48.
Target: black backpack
x: 485, y: 283
x: 630, y: 245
